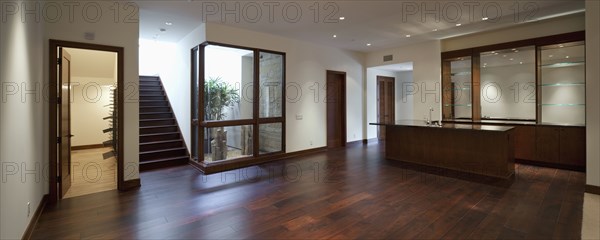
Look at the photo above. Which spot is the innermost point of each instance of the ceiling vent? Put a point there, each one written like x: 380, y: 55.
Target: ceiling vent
x: 388, y: 58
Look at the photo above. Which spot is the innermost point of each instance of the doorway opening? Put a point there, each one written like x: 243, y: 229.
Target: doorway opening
x: 86, y: 88
x: 336, y: 109
x: 386, y: 103
x: 391, y: 96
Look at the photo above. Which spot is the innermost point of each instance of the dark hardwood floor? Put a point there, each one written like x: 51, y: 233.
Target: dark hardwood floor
x: 340, y: 194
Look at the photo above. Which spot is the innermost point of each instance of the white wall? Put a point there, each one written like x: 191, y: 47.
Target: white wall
x: 176, y: 76
x: 23, y: 124
x: 592, y: 89
x: 123, y: 33
x: 306, y: 67
x: 501, y: 99
x: 404, y: 102
x: 566, y: 24
x: 426, y: 73
x: 90, y: 96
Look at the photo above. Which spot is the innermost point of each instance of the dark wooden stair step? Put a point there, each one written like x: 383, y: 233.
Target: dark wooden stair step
x: 154, y: 137
x: 163, y: 153
x: 156, y: 115
x: 151, y: 146
x: 155, y: 109
x: 144, y: 98
x: 157, y: 122
x: 158, y: 129
x: 163, y: 163
x: 154, y: 103
x: 144, y: 87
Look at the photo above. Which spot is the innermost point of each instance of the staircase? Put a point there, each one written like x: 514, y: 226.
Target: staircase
x: 161, y: 142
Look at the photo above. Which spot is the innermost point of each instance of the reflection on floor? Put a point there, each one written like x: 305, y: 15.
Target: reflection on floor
x: 590, y: 228
x: 91, y: 173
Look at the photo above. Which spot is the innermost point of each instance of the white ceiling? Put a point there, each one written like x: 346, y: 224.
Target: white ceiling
x: 92, y: 64
x: 383, y: 24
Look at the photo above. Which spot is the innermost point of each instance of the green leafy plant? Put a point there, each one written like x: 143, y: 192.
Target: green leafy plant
x: 218, y: 95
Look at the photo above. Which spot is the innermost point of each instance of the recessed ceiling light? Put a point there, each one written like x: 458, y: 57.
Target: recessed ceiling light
x: 435, y: 29
x: 520, y: 62
x: 560, y: 45
x: 514, y: 49
x: 484, y: 64
x: 368, y: 44
x: 495, y: 53
x: 567, y: 57
x: 484, y: 18
x: 334, y: 36
x: 458, y: 24
x: 504, y: 55
x: 168, y: 23
x: 511, y: 59
x: 407, y: 35
x: 551, y: 56
x: 342, y: 18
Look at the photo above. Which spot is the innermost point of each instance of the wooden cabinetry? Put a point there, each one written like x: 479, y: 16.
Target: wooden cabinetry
x: 561, y: 145
x: 525, y: 142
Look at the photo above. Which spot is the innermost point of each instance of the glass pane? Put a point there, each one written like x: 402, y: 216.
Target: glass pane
x: 460, y: 70
x: 563, y: 83
x: 229, y: 74
x: 271, y: 85
x: 508, y: 84
x: 226, y: 143
x: 270, y: 138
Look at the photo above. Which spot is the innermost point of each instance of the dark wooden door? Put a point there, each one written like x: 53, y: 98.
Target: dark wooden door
x: 64, y: 122
x: 336, y: 109
x: 386, y: 103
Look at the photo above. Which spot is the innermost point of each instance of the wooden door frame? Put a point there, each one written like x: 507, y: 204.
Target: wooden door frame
x: 343, y: 97
x: 52, y: 106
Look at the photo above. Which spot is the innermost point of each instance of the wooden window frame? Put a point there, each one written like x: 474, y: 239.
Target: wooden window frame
x: 255, y: 121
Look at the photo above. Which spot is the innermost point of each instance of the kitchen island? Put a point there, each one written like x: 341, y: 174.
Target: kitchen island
x: 479, y: 149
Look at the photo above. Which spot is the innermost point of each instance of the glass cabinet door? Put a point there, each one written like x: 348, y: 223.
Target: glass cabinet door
x: 508, y: 89
x: 457, y: 87
x: 562, y: 83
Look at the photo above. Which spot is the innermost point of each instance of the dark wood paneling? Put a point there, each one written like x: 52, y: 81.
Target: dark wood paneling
x: 548, y: 144
x: 488, y: 153
x: 447, y: 91
x: 356, y: 195
x: 572, y: 146
x: 525, y: 142
x: 35, y: 218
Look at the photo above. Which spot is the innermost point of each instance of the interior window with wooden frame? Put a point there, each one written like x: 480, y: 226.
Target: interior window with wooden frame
x: 238, y: 105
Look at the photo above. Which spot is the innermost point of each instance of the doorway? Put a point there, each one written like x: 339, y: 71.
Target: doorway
x: 336, y: 109
x: 386, y: 103
x: 86, y: 84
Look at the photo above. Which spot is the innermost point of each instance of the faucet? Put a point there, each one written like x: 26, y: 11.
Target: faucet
x: 430, y: 111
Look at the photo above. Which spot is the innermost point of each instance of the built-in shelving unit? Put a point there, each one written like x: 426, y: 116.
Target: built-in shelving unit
x: 541, y: 80
x: 561, y: 83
